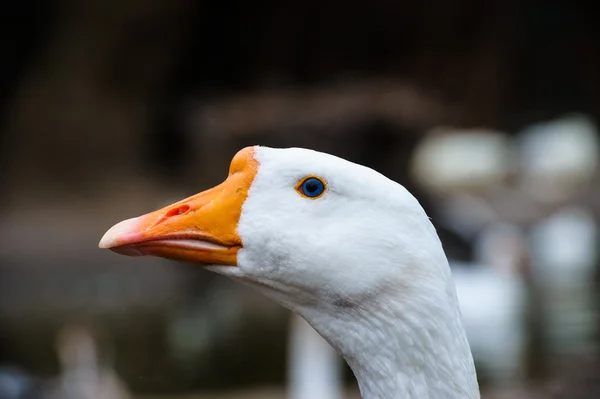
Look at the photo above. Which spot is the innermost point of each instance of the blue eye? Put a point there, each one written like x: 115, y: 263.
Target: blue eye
x: 312, y: 187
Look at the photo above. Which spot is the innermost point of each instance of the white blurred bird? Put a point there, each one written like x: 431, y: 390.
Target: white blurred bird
x: 564, y: 258
x: 83, y: 376
x: 493, y: 300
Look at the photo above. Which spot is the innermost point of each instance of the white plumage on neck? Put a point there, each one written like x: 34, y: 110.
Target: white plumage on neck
x: 364, y: 266
x: 400, y: 350
x: 405, y: 341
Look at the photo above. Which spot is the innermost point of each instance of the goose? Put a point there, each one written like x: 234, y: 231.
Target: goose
x: 492, y: 294
x: 83, y: 374
x: 349, y: 250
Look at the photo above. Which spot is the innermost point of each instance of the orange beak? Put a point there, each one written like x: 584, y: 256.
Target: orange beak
x: 200, y: 229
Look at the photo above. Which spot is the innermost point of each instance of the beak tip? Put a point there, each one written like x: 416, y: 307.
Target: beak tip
x: 105, y: 242
x: 110, y: 239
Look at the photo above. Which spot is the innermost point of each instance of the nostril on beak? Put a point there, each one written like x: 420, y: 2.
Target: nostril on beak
x: 176, y: 211
x: 179, y: 210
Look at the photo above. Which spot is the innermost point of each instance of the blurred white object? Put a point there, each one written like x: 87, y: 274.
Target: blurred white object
x: 564, y: 255
x: 315, y: 368
x: 466, y: 214
x: 492, y: 297
x: 449, y: 160
x: 82, y: 375
x: 558, y: 157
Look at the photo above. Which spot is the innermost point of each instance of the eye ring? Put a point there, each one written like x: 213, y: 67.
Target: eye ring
x: 311, y: 187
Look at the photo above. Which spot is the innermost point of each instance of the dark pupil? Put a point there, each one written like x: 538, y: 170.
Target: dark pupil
x: 311, y: 186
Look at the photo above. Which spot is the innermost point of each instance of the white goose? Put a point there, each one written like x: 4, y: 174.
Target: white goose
x: 349, y: 250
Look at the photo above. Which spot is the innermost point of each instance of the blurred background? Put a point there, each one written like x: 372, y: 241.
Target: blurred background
x: 486, y: 111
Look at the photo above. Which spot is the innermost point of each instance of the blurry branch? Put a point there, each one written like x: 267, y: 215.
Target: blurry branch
x: 337, y: 105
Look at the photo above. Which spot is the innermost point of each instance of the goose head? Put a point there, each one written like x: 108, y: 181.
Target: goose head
x: 348, y: 249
